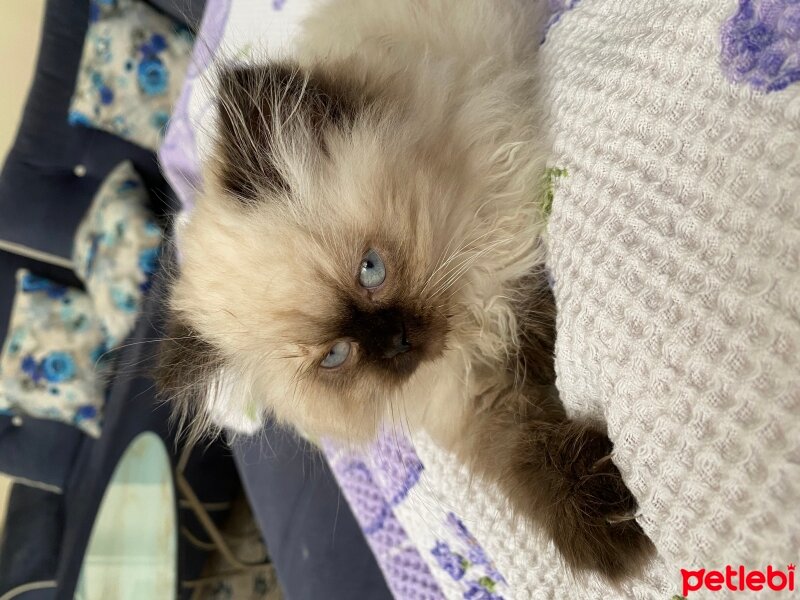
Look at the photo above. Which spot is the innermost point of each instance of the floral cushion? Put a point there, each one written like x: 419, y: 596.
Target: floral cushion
x: 59, y: 337
x: 116, y: 251
x: 48, y: 364
x: 134, y: 60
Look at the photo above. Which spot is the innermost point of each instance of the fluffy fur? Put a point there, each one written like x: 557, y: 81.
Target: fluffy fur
x: 409, y: 127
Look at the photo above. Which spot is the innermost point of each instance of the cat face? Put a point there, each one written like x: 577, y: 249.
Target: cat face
x: 318, y: 269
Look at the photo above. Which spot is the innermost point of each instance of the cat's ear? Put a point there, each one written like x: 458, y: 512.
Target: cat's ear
x: 269, y: 116
x: 206, y: 394
x: 186, y: 372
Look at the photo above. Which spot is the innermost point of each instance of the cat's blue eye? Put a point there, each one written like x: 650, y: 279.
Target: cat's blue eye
x: 372, y: 272
x: 336, y: 355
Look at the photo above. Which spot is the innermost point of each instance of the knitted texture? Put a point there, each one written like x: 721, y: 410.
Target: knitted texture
x: 675, y: 249
x: 675, y: 254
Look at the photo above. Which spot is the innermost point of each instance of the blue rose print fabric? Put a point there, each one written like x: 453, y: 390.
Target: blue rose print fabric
x: 51, y: 356
x: 116, y: 251
x: 59, y: 338
x: 134, y: 61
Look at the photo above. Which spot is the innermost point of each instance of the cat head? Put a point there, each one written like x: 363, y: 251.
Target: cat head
x: 320, y: 265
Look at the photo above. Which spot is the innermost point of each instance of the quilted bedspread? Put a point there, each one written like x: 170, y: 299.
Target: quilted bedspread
x: 675, y: 253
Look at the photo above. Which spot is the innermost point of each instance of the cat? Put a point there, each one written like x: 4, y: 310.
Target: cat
x: 368, y: 250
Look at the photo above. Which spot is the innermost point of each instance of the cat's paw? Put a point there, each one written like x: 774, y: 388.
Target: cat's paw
x: 594, y: 524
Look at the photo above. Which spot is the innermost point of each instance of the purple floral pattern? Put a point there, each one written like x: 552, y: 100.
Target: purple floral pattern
x: 556, y: 8
x: 379, y: 480
x: 373, y: 491
x: 453, y: 563
x: 215, y: 17
x: 761, y: 44
x: 397, y: 466
x: 474, y: 551
x: 178, y: 152
x: 466, y: 562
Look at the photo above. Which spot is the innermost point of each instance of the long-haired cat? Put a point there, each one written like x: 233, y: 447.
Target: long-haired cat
x: 367, y: 250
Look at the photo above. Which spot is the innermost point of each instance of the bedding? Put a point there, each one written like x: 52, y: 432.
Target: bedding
x: 48, y: 181
x: 116, y: 251
x: 134, y: 59
x: 48, y: 361
x: 53, y: 170
x: 54, y: 357
x: 41, y: 451
x: 674, y: 251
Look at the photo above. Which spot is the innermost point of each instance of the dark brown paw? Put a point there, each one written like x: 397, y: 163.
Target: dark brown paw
x: 594, y: 525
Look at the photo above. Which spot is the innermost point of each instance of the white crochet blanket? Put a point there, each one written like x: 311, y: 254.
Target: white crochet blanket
x: 675, y: 251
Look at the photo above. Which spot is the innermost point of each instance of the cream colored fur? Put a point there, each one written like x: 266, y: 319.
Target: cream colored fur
x: 448, y: 176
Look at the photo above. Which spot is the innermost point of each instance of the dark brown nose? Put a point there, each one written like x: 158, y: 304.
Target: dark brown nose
x: 383, y: 334
x: 397, y: 344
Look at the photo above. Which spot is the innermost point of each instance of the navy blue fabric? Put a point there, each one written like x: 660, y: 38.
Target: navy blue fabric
x: 314, y: 540
x: 45, y: 594
x: 132, y: 408
x: 189, y: 12
x: 42, y: 200
x: 38, y: 450
x: 30, y: 546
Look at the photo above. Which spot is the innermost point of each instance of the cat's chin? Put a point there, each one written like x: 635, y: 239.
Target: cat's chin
x: 235, y: 422
x: 226, y: 410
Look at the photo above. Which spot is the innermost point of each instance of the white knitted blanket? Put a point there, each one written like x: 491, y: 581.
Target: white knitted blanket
x: 675, y: 251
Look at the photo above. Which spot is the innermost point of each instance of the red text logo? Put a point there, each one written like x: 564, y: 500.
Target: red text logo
x: 738, y: 580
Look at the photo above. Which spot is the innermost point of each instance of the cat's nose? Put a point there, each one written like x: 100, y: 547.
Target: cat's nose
x: 397, y: 344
